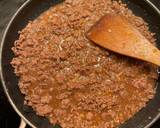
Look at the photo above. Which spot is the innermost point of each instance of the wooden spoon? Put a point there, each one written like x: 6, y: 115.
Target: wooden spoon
x: 115, y: 33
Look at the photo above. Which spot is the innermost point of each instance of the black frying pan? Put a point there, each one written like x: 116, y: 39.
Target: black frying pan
x: 29, y: 11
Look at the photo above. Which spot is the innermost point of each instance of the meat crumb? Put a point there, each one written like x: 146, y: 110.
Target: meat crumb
x: 74, y: 82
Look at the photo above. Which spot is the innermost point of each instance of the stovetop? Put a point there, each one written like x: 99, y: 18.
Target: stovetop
x: 8, y: 118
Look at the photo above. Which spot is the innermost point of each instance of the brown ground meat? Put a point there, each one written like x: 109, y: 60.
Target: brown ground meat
x: 74, y: 82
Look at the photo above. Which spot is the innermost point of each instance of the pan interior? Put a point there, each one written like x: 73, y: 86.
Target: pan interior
x: 35, y: 7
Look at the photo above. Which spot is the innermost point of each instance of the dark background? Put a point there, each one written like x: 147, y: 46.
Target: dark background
x: 8, y: 118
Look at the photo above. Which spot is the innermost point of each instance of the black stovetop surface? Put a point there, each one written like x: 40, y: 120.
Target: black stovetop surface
x: 8, y: 118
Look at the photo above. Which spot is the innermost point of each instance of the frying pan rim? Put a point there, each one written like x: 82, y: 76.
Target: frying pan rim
x: 1, y: 72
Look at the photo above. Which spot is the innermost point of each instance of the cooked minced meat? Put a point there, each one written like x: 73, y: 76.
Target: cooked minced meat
x: 74, y: 82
